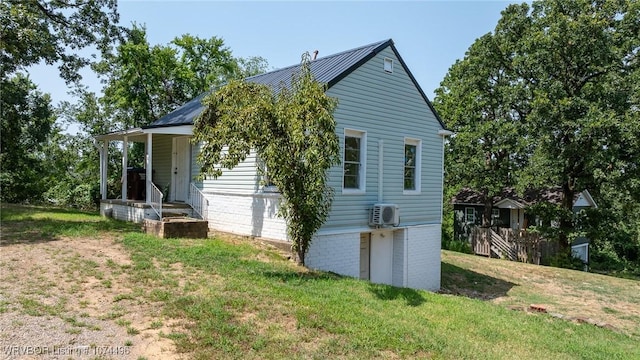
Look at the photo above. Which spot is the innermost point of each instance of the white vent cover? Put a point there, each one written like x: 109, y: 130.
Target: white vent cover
x: 385, y: 214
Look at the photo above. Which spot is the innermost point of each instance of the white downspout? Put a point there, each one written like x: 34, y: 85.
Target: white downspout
x: 125, y: 162
x: 444, y: 134
x: 380, y: 170
x: 149, y: 170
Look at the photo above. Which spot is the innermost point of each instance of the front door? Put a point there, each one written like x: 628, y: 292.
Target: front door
x: 381, y: 259
x: 181, y: 164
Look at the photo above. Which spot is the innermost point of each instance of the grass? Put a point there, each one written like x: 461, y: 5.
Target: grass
x: 576, y: 294
x: 234, y: 299
x: 273, y: 309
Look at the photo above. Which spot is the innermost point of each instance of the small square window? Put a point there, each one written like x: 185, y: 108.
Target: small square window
x: 388, y: 65
x: 470, y: 215
x: 495, y: 213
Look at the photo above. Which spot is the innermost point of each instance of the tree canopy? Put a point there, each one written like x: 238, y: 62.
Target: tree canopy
x: 293, y: 133
x: 557, y: 82
x: 55, y: 32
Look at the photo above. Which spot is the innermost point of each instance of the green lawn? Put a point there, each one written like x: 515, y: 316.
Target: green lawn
x: 237, y: 299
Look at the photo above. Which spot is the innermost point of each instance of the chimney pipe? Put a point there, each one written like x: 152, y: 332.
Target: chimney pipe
x: 315, y: 54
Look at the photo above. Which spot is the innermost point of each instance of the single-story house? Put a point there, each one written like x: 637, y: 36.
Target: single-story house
x: 385, y: 221
x: 509, y: 210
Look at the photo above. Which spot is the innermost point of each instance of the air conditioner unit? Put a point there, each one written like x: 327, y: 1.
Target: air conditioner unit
x: 385, y: 214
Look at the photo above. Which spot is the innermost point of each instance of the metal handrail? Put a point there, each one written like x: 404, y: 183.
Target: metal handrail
x: 198, y: 201
x: 156, y: 200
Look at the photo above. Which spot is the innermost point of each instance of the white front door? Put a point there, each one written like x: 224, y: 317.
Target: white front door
x: 181, y: 164
x: 381, y: 259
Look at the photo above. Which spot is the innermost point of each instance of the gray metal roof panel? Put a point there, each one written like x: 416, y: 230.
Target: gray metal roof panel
x: 183, y: 115
x: 329, y: 70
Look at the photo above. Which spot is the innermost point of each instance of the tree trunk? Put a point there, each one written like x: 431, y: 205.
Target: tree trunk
x: 566, y: 217
x: 486, y: 212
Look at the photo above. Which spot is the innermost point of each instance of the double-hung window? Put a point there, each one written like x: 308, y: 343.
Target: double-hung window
x: 354, y: 164
x: 470, y: 215
x: 412, y: 161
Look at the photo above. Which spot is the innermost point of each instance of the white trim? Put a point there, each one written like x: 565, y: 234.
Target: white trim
x: 585, y: 196
x: 135, y: 132
x: 465, y: 215
x: 149, y: 170
x: 368, y: 229
x: 172, y: 130
x: 125, y: 164
x: 362, y: 174
x: 509, y: 204
x: 445, y: 132
x: 418, y: 166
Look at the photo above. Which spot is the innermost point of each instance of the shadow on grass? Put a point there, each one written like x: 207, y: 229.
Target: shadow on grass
x: 386, y: 292
x: 295, y: 276
x: 464, y: 282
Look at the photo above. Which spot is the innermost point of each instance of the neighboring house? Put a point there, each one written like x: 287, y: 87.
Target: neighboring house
x: 385, y: 221
x: 509, y: 210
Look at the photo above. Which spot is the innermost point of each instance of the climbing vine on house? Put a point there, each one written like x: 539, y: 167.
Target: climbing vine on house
x: 293, y: 132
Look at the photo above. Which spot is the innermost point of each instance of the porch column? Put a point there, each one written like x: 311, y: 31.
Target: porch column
x: 148, y: 162
x: 125, y: 162
x: 104, y: 165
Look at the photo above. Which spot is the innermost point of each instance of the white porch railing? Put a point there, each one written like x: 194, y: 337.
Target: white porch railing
x: 198, y: 201
x: 156, y: 200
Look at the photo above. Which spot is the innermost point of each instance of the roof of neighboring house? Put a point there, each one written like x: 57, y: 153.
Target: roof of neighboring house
x: 553, y: 195
x: 329, y: 70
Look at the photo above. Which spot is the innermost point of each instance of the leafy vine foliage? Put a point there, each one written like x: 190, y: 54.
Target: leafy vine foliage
x: 293, y: 133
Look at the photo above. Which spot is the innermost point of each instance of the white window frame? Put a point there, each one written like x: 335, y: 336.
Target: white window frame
x: 387, y: 65
x: 362, y: 174
x: 265, y: 185
x: 495, y: 213
x: 473, y: 215
x: 418, y: 167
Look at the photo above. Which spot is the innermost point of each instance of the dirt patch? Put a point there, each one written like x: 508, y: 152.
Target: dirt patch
x: 72, y: 298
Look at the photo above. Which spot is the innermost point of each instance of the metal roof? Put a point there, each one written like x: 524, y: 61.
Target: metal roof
x: 329, y: 70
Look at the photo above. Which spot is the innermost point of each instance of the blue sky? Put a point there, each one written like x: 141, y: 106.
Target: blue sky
x: 430, y: 35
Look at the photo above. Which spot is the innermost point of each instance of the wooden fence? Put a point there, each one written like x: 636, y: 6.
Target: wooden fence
x: 507, y: 243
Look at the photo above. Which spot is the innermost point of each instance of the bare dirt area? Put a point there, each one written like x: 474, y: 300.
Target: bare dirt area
x: 72, y: 298
x: 577, y: 296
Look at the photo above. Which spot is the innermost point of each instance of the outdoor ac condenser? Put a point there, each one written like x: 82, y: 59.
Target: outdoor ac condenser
x: 385, y: 214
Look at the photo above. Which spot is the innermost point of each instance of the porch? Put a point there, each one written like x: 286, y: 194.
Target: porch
x: 511, y: 244
x: 161, y: 187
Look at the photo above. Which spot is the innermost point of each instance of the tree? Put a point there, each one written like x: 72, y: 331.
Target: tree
x: 482, y: 102
x: 144, y: 82
x: 27, y: 119
x: 36, y: 31
x: 570, y: 71
x: 293, y: 133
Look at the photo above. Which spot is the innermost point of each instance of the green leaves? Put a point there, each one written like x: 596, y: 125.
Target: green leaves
x: 293, y: 133
x: 543, y: 100
x: 54, y: 31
